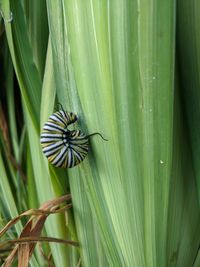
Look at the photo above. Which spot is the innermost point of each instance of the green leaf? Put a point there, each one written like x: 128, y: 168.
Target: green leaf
x: 22, y: 57
x: 135, y: 200
x: 188, y: 43
x: 38, y: 31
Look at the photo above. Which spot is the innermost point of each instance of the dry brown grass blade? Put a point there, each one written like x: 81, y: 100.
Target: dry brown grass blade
x: 24, y: 251
x: 33, y: 228
x: 31, y: 232
x: 54, y: 202
x: 9, y: 260
x: 34, y: 240
x: 32, y: 212
x: 23, y: 255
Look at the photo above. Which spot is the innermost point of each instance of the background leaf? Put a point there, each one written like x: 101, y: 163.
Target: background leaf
x: 134, y: 197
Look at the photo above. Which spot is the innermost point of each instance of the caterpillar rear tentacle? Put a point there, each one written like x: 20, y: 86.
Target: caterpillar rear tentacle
x: 63, y: 147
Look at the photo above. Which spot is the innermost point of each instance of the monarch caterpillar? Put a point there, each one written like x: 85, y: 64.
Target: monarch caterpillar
x: 64, y: 148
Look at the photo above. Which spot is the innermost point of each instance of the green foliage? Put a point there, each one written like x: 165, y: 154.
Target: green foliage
x: 135, y: 200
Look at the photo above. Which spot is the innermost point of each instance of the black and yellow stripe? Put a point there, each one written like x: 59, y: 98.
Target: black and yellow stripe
x: 62, y: 147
